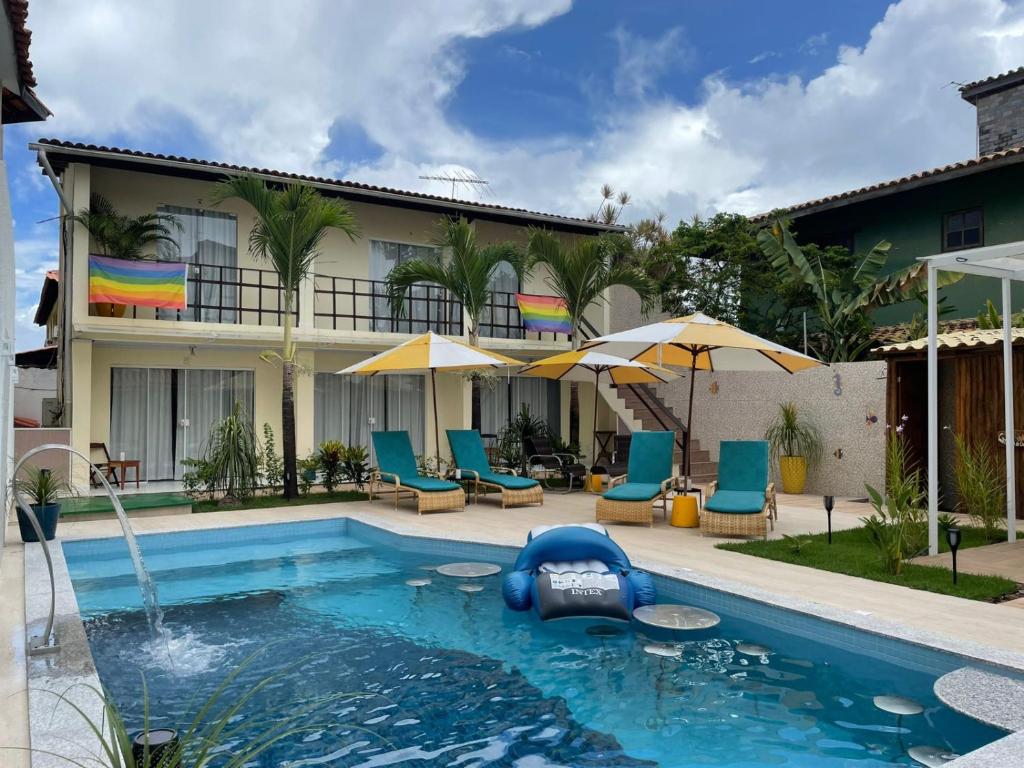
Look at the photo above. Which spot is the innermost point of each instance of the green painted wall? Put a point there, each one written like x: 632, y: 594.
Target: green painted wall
x: 912, y: 222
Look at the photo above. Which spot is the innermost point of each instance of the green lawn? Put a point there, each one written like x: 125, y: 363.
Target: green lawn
x: 853, y: 553
x: 262, y: 502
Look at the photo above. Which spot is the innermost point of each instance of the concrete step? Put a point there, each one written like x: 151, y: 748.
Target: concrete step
x: 709, y: 468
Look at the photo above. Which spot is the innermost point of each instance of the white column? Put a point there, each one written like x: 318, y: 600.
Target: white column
x: 933, y: 412
x: 1011, y: 483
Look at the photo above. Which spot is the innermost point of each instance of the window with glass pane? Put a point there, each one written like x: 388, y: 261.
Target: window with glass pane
x: 343, y: 405
x: 500, y: 320
x: 962, y: 229
x: 427, y: 307
x: 208, y: 240
x: 508, y: 396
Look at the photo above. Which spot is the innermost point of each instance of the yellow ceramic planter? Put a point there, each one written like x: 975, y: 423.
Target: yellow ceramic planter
x: 794, y: 473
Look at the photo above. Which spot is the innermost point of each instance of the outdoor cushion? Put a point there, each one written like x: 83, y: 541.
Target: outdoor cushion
x: 427, y: 484
x: 650, y: 457
x: 511, y: 482
x: 468, y: 452
x: 743, y: 465
x: 736, y: 502
x: 394, y: 454
x: 633, y: 492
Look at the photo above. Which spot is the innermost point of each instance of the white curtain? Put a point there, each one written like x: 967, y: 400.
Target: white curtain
x: 142, y: 419
x: 208, y: 238
x: 148, y: 406
x: 385, y: 256
x: 342, y: 407
x: 540, y: 395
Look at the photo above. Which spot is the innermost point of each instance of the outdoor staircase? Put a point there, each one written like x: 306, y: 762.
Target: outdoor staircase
x: 646, y: 410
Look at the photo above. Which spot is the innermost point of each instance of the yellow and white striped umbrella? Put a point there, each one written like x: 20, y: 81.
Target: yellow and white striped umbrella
x: 588, y: 365
x: 699, y: 342
x: 427, y: 354
x: 704, y: 343
x: 430, y: 352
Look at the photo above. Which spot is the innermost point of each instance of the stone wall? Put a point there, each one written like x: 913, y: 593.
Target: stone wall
x: 1000, y: 121
x: 845, y: 401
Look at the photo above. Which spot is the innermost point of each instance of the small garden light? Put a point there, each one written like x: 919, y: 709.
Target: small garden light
x: 953, y: 539
x: 829, y: 503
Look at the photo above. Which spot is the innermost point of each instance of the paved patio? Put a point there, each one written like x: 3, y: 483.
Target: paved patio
x: 1005, y: 559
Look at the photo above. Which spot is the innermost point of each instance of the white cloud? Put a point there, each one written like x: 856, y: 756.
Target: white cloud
x: 265, y: 88
x: 642, y: 61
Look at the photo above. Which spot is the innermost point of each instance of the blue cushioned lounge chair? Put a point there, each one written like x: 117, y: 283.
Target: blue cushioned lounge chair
x: 742, y: 501
x: 631, y: 497
x: 397, y: 469
x: 468, y: 452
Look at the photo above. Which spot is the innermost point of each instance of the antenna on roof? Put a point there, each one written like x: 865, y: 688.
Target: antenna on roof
x: 459, y: 177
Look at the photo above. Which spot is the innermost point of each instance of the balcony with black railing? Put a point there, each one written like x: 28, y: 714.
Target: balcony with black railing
x: 250, y: 296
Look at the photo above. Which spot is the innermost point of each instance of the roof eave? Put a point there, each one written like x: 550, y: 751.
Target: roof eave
x: 379, y: 196
x: 910, y: 184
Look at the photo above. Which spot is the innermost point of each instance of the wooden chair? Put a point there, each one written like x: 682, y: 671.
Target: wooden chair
x: 100, y: 457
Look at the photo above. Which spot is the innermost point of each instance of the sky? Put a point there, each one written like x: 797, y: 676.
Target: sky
x: 693, y: 107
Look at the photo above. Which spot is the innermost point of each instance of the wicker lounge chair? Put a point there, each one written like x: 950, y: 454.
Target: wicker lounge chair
x: 468, y: 452
x: 631, y: 497
x: 742, y: 501
x: 397, y: 470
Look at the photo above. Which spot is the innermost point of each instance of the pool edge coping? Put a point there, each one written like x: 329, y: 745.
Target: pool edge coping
x: 1009, y: 748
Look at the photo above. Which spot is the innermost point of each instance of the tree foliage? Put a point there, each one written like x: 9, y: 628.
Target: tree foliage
x: 461, y: 266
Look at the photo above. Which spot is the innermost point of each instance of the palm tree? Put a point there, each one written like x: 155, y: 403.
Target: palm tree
x: 461, y: 266
x: 124, y: 237
x: 290, y: 225
x: 581, y: 272
x: 845, y: 298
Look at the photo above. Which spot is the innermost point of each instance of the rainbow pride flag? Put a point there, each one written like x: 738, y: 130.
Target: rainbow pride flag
x: 142, y: 283
x: 544, y: 314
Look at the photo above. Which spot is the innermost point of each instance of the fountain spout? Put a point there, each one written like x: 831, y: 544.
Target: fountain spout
x: 47, y: 641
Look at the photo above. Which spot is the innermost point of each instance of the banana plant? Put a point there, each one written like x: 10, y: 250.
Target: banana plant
x: 844, y: 299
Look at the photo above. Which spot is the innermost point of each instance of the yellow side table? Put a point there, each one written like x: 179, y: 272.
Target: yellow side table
x: 595, y: 483
x: 684, y: 512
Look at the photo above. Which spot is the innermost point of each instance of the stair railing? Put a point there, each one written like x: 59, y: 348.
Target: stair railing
x: 662, y: 414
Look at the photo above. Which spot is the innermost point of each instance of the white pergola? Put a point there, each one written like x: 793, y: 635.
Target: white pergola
x: 1005, y: 262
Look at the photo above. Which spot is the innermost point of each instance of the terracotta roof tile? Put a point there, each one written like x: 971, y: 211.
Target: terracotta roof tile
x: 354, y: 185
x: 17, y: 12
x: 991, y: 79
x: 895, y: 334
x: 955, y: 340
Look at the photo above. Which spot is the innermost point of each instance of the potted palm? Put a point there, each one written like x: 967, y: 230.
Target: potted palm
x: 123, y: 237
x: 44, y: 489
x: 795, y: 445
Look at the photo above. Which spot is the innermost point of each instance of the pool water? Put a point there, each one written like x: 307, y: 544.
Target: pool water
x: 437, y: 676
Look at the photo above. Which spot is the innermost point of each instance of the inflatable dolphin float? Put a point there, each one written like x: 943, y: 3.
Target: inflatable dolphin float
x: 575, y: 571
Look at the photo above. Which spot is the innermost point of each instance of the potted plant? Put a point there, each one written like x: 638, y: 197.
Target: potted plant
x: 795, y: 446
x: 123, y: 237
x: 43, y: 488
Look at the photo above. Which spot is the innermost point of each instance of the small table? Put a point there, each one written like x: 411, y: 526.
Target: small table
x: 675, y: 617
x: 124, y: 465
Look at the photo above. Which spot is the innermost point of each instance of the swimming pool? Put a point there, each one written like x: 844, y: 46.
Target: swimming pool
x: 441, y: 676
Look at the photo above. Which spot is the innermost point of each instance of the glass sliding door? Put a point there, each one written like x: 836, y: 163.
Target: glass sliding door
x: 203, y: 398
x: 424, y: 308
x: 142, y: 419
x: 509, y: 395
x: 162, y: 415
x: 343, y: 405
x: 208, y: 240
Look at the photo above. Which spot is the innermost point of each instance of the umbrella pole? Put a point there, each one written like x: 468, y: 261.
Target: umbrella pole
x: 593, y: 447
x: 689, y: 423
x: 437, y: 436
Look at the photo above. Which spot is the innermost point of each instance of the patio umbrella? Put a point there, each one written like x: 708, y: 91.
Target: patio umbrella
x: 428, y: 354
x: 699, y: 342
x: 588, y: 365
